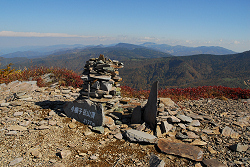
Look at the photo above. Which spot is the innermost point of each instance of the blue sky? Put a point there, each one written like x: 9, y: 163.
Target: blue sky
x: 223, y: 23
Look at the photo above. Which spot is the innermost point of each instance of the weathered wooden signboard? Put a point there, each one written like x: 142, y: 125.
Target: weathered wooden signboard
x: 85, y: 111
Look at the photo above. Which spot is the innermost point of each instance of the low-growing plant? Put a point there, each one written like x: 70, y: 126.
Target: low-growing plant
x: 178, y: 94
x: 64, y: 76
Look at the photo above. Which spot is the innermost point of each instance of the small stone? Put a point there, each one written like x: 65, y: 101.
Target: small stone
x: 182, y: 125
x: 155, y: 161
x: 195, y: 129
x: 4, y: 104
x: 93, y: 157
x: 65, y: 91
x: 195, y: 123
x: 239, y: 147
x: 72, y: 125
x: 25, y: 123
x: 173, y: 119
x: 208, y: 131
x: 18, y: 114
x: 108, y: 121
x: 192, y: 135
x: 141, y: 127
x: 179, y: 135
x: 213, y: 163
x: 17, y: 127
x: 184, y: 118
x: 11, y: 133
x: 118, y: 136
x: 16, y: 161
x: 165, y: 126
x: 211, y: 150
x: 87, y: 133
x: 52, y: 113
x: 198, y: 165
x: 108, y: 96
x: 230, y: 132
x: 35, y: 153
x: 64, y: 153
x: 52, y: 123
x: 99, y: 129
x: 42, y: 127
x: 139, y: 136
x: 198, y: 142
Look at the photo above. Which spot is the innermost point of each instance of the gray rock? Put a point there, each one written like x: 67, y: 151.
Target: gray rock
x: 106, y: 86
x: 184, y: 118
x: 18, y: 114
x: 4, y: 104
x: 168, y: 102
x: 228, y: 132
x: 192, y: 135
x: 149, y: 115
x: 17, y: 128
x: 136, y: 115
x: 180, y: 149
x: 195, y: 123
x: 239, y: 147
x: 99, y: 129
x: 139, y: 136
x: 179, y: 135
x: 65, y: 91
x: 173, y: 119
x: 118, y: 136
x: 155, y: 161
x: 35, y: 153
x: 16, y: 161
x: 11, y: 133
x: 96, y: 85
x: 64, y: 153
x: 165, y: 126
x: 93, y: 157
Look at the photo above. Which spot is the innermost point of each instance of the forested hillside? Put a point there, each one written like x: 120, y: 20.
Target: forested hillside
x: 188, y: 71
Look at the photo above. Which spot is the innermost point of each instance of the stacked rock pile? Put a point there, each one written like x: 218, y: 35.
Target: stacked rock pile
x: 101, y: 80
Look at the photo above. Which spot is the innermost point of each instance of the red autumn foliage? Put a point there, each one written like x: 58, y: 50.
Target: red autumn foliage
x: 178, y: 94
x: 64, y: 76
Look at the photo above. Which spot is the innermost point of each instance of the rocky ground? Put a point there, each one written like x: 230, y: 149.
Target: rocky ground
x: 34, y: 131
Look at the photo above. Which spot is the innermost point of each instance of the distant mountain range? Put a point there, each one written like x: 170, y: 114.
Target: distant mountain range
x: 34, y: 52
x: 187, y: 51
x: 144, y: 65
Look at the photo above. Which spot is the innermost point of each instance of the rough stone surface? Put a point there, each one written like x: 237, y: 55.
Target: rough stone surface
x: 15, y: 161
x: 136, y: 115
x: 149, y: 115
x: 139, y: 136
x: 180, y: 149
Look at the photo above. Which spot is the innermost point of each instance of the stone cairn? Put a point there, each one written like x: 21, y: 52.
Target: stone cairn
x: 101, y: 81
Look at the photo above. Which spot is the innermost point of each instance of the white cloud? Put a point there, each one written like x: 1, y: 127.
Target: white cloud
x: 35, y: 34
